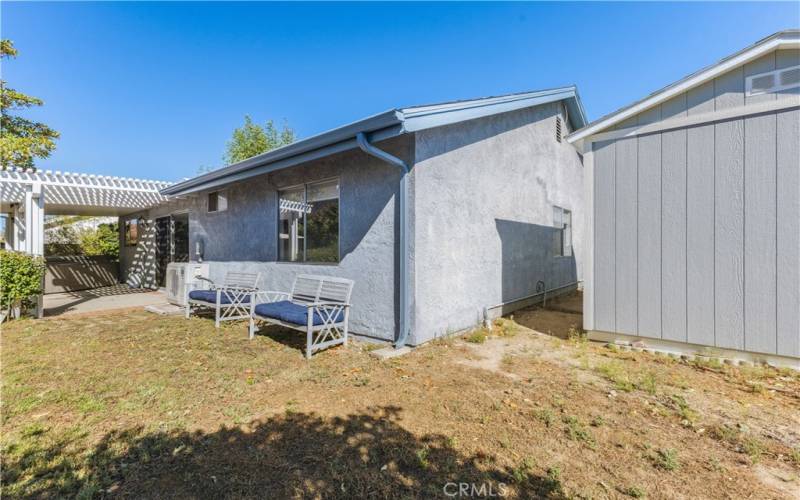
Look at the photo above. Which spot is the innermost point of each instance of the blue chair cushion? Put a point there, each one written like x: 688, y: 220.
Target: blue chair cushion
x: 289, y: 312
x: 210, y: 296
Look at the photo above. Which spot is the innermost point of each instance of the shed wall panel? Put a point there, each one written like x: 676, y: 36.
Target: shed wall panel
x: 649, y: 236
x: 760, y: 234
x: 673, y: 229
x: 729, y: 234
x: 700, y: 235
x: 717, y: 223
x: 626, y: 240
x: 788, y: 233
x: 604, y: 246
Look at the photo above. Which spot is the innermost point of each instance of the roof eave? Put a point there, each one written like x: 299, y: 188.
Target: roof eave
x: 386, y: 120
x: 783, y: 39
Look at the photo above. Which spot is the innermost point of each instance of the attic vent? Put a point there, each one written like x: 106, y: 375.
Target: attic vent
x: 558, y: 128
x: 773, y: 81
x: 791, y: 77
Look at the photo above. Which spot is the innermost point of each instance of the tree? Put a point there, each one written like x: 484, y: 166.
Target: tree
x: 104, y: 240
x: 252, y: 139
x: 21, y: 140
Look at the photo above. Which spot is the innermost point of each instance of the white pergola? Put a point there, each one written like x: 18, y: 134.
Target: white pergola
x: 28, y: 195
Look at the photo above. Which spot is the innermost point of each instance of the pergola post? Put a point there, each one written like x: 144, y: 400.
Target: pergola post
x: 18, y: 238
x: 34, y: 219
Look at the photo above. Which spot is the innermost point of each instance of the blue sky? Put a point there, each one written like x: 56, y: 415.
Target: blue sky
x: 154, y: 89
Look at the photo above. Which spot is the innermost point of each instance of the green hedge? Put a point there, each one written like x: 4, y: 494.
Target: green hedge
x: 20, y: 278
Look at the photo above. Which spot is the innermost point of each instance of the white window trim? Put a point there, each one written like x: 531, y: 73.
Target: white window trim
x: 304, y: 186
x: 566, y: 249
x: 776, y: 88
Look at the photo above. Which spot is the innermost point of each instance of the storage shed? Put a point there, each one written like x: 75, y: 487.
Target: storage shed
x: 693, y: 210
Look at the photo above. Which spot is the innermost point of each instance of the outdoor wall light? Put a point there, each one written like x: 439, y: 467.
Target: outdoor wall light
x: 198, y: 249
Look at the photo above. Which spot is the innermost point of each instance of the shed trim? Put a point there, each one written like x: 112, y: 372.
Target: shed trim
x: 787, y: 103
x: 783, y: 39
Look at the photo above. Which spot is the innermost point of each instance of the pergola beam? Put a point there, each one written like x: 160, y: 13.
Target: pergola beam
x: 26, y: 193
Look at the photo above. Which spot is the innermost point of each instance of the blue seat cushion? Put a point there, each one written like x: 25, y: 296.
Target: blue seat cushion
x: 289, y: 312
x: 210, y: 296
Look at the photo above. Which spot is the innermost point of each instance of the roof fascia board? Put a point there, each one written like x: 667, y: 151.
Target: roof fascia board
x: 291, y: 161
x: 414, y: 122
x: 785, y: 103
x: 371, y: 124
x: 684, y: 85
x: 378, y: 127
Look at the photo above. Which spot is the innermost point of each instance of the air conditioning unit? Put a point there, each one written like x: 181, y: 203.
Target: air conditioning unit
x: 180, y: 274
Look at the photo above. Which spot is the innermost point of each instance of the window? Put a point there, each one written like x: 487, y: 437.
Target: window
x: 562, y: 236
x: 773, y: 81
x: 217, y: 201
x: 308, y: 229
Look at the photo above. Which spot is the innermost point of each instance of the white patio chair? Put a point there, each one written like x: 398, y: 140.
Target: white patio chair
x: 317, y: 305
x: 230, y: 300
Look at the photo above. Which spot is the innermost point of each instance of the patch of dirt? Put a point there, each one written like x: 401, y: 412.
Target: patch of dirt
x: 562, y: 316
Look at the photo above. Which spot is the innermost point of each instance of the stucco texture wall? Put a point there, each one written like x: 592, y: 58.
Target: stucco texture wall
x: 484, y: 192
x: 244, y: 237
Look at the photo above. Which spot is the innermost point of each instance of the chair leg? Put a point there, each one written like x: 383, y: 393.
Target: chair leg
x: 252, y: 327
x: 216, y: 316
x: 188, y: 311
x: 346, y: 325
x: 308, y: 343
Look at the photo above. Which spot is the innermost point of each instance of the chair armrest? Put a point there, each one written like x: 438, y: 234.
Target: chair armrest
x: 203, y: 278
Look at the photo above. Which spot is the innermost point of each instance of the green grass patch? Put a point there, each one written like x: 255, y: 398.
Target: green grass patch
x: 666, y: 459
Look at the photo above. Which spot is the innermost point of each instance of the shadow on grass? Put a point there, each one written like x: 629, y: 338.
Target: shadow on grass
x: 296, y: 455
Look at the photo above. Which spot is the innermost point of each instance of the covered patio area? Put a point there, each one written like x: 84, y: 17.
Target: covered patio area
x: 119, y: 296
x: 27, y: 196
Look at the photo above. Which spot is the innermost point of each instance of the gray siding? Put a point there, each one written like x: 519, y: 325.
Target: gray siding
x: 484, y: 192
x: 716, y: 218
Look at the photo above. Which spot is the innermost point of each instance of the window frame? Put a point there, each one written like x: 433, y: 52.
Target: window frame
x: 304, y: 249
x: 564, y: 250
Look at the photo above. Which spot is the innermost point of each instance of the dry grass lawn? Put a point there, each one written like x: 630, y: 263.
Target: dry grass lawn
x: 138, y: 405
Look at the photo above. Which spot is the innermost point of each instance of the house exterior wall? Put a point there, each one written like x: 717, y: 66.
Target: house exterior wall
x: 244, y: 237
x: 481, y: 217
x: 696, y: 230
x: 483, y: 197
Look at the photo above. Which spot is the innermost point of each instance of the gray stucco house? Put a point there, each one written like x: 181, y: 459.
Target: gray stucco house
x: 485, y: 212
x: 693, y: 210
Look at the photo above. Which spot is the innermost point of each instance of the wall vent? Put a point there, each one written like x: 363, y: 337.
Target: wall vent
x: 558, y: 128
x: 773, y: 81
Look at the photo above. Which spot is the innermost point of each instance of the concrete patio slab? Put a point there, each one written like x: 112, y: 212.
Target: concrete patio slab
x: 100, y: 299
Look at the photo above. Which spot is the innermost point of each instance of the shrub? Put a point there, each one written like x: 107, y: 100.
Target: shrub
x: 20, y: 278
x: 101, y: 241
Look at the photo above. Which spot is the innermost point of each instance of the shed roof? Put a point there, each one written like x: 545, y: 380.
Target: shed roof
x: 782, y: 39
x: 391, y: 123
